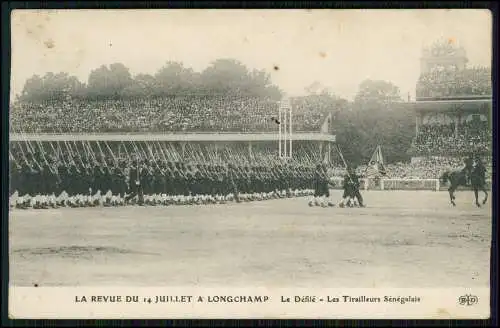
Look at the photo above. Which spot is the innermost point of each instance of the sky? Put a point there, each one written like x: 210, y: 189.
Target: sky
x: 337, y: 48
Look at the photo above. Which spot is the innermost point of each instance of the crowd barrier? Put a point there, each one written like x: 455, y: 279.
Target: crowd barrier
x: 400, y: 184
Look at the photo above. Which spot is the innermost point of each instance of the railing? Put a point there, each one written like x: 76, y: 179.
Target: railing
x: 455, y: 98
x: 400, y: 184
x: 168, y: 137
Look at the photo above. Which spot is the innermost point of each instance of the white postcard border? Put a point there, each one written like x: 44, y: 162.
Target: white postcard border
x: 247, y: 303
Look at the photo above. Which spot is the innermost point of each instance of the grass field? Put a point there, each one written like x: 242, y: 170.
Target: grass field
x: 402, y: 239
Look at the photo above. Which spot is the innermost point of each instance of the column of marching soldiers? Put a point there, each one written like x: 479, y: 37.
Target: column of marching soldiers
x: 42, y: 180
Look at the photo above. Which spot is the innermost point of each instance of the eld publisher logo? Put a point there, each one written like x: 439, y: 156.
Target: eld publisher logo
x: 468, y: 300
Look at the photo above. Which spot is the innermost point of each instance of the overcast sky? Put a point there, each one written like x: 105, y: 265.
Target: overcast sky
x: 338, y: 48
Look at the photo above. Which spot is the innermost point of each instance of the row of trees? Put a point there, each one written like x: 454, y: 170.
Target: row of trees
x: 358, y: 134
x: 223, y: 76
x: 377, y: 116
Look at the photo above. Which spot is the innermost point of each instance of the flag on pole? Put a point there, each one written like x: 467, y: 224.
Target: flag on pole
x: 376, y: 164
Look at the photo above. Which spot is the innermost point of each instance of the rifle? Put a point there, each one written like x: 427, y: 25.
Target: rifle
x: 344, y: 162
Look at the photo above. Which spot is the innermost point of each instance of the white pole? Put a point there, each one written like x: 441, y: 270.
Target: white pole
x: 285, y: 127
x: 290, y: 128
x: 279, y: 128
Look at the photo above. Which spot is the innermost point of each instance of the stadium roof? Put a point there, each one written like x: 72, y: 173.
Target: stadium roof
x: 476, y: 105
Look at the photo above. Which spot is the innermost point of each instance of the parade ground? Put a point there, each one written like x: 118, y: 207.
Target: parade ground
x: 401, y: 239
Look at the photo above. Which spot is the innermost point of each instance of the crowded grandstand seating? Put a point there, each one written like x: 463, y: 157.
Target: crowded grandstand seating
x: 441, y: 139
x: 159, y: 114
x: 307, y: 116
x: 426, y: 168
x: 455, y: 83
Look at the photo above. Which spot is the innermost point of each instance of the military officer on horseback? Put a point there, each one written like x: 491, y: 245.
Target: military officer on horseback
x: 479, y: 168
x: 473, y: 175
x: 469, y: 163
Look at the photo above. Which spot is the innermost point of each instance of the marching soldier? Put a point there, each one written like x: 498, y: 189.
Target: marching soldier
x: 133, y: 182
x: 321, y: 189
x: 232, y: 178
x: 91, y: 183
x: 351, y: 187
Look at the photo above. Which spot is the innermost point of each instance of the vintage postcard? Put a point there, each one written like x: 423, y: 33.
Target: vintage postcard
x: 331, y: 164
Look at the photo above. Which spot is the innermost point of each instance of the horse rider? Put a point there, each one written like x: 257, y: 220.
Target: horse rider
x: 478, y: 166
x: 469, y: 163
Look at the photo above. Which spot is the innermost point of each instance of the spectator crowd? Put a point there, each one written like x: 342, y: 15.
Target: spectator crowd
x: 455, y: 83
x: 159, y: 114
x: 435, y: 139
x: 430, y: 167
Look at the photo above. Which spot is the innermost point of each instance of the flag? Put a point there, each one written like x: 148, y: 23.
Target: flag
x: 376, y: 164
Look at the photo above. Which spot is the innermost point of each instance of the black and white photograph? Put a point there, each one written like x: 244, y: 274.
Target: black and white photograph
x: 239, y: 149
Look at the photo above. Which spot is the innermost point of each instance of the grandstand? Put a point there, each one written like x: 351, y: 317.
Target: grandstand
x: 166, y: 114
x: 242, y: 127
x: 453, y: 105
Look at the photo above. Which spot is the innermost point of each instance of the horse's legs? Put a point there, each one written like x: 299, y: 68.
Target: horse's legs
x: 476, y: 195
x: 452, y: 197
x: 485, y: 195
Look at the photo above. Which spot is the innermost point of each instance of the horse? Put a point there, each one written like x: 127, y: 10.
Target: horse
x: 458, y: 178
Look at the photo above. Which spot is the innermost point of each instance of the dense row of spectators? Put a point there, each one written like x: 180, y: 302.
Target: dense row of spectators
x: 429, y: 167
x: 426, y: 168
x: 310, y: 113
x: 442, y: 139
x: 455, y: 83
x: 161, y: 114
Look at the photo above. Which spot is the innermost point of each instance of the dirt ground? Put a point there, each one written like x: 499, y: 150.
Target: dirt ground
x: 402, y: 239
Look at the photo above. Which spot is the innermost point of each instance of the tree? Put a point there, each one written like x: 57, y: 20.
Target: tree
x: 109, y: 82
x: 120, y: 77
x: 75, y: 87
x: 259, y: 84
x: 51, y: 86
x: 359, y: 134
x: 97, y: 85
x: 376, y: 94
x: 33, y: 89
x: 389, y: 123
x: 226, y: 76
x: 142, y: 85
x: 352, y: 136
x: 174, y: 79
x: 314, y: 88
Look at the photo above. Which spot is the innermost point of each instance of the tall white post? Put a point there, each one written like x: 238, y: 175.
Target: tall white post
x: 416, y: 126
x: 285, y: 129
x: 279, y: 128
x: 286, y: 132
x: 290, y: 128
